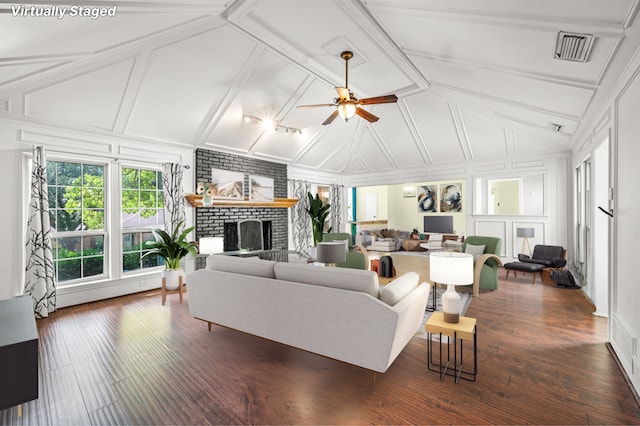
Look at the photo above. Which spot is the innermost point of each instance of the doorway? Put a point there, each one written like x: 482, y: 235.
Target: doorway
x: 599, y: 253
x: 593, y: 227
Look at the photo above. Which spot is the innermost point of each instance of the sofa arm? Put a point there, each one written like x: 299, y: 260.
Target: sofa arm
x: 559, y: 262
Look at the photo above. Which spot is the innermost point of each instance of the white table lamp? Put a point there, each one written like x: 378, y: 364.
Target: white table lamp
x: 452, y: 269
x: 211, y: 245
x: 525, y: 234
x: 331, y: 253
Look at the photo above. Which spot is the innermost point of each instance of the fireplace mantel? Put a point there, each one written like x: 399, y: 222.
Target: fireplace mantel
x: 196, y: 201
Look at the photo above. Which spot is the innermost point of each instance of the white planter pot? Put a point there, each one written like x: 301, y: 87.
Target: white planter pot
x: 172, y: 278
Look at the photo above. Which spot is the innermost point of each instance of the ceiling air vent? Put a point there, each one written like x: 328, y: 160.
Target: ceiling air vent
x: 573, y: 46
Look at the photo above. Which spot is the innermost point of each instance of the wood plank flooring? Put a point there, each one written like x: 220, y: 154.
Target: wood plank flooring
x: 542, y: 359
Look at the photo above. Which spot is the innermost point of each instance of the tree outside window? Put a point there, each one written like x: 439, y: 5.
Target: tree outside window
x: 76, y: 210
x: 142, y: 207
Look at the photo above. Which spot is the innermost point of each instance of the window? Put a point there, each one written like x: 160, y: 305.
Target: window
x: 142, y: 207
x: 77, y: 215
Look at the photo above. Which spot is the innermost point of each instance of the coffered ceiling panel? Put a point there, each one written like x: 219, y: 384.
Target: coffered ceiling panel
x: 434, y: 120
x: 509, y: 88
x: 36, y: 36
x: 185, y: 81
x: 397, y: 137
x: 324, y: 145
x: 484, y: 136
x: 90, y: 99
x: 530, y: 143
x: 374, y: 155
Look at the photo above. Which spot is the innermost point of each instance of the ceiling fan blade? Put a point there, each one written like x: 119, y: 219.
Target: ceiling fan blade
x: 331, y: 118
x: 343, y: 93
x: 315, y: 105
x: 366, y: 115
x: 378, y: 100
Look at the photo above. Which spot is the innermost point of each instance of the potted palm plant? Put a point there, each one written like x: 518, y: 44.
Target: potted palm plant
x: 318, y: 213
x: 172, y: 248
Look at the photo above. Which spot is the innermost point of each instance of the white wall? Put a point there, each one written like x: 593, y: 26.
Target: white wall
x: 18, y: 138
x: 619, y: 118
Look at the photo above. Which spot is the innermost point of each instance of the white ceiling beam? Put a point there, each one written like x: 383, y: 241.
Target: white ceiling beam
x: 439, y: 87
x: 461, y: 130
x: 415, y: 132
x: 367, y: 22
x: 519, y: 21
x: 547, y: 78
x: 138, y: 72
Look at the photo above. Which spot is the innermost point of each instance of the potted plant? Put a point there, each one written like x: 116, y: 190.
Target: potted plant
x: 318, y: 213
x: 172, y: 248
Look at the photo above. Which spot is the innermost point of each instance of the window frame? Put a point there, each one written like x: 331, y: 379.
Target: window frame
x: 119, y: 264
x: 105, y: 232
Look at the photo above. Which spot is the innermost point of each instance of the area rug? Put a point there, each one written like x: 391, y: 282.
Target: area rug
x: 466, y: 301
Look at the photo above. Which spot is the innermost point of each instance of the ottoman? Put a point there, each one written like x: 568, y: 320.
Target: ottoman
x: 532, y: 268
x: 382, y: 245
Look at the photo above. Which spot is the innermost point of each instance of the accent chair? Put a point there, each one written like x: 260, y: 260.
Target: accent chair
x: 486, y: 263
x: 357, y: 256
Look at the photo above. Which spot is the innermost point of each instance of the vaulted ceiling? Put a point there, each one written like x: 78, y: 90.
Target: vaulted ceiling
x: 476, y: 79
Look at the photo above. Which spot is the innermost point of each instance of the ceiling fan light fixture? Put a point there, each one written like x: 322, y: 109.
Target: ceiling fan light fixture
x: 347, y: 109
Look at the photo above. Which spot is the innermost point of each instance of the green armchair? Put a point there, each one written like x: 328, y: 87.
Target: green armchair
x: 357, y: 256
x: 485, y: 270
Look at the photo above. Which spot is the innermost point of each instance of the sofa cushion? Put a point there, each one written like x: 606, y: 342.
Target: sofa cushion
x: 393, y: 292
x: 344, y: 278
x: 253, y: 266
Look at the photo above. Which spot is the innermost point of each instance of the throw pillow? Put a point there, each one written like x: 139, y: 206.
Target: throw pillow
x: 393, y: 292
x: 476, y: 251
x: 386, y: 233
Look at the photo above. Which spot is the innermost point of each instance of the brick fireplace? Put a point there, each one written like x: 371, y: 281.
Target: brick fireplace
x: 212, y: 221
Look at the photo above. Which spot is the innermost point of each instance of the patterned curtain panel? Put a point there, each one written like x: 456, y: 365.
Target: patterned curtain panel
x: 40, y: 274
x: 335, y: 200
x: 300, y: 221
x: 173, y: 196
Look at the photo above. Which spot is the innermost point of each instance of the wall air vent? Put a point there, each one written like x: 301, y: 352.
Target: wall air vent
x: 573, y: 47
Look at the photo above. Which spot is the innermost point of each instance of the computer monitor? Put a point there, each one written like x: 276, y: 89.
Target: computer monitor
x: 438, y: 224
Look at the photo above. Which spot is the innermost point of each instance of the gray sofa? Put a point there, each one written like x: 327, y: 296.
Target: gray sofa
x: 335, y: 312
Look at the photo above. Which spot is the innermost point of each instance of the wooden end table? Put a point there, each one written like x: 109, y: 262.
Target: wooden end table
x: 461, y: 331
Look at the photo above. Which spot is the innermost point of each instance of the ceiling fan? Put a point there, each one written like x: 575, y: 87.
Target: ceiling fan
x: 348, y: 105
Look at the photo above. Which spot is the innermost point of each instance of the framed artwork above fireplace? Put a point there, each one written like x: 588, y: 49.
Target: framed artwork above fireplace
x: 227, y: 184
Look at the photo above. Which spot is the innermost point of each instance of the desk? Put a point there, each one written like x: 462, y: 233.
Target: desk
x: 463, y: 330
x: 18, y: 353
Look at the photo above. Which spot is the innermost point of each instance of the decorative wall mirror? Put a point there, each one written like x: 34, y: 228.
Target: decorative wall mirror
x: 510, y: 195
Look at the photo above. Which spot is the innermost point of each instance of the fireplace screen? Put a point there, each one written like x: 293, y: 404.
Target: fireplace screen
x: 250, y: 235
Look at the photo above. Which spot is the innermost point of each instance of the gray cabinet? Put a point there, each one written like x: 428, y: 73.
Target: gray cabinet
x: 18, y: 352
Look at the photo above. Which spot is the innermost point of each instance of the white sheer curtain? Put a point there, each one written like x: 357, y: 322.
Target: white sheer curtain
x: 39, y: 273
x: 335, y: 200
x: 300, y: 221
x: 173, y: 196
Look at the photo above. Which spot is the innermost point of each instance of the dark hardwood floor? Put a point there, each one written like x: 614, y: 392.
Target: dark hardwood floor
x: 542, y: 359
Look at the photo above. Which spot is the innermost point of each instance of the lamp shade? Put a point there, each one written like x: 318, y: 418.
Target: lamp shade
x: 331, y: 252
x: 347, y: 109
x: 211, y: 245
x: 451, y: 268
x: 525, y: 232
